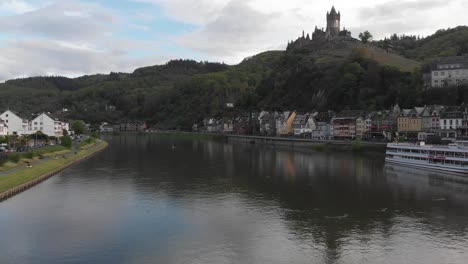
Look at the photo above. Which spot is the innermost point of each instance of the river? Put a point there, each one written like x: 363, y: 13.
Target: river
x: 143, y: 201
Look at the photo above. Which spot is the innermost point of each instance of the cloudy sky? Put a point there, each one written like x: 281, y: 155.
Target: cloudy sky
x: 76, y: 37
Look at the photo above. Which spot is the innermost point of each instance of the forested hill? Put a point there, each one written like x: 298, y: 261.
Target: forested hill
x: 445, y: 42
x: 182, y: 92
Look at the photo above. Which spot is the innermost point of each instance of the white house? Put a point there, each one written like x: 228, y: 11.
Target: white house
x: 16, y: 125
x: 451, y: 120
x: 65, y: 126
x: 47, y: 125
x: 3, y: 128
x: 449, y: 71
x: 304, y: 125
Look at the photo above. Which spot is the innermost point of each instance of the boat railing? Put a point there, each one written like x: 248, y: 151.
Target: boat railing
x: 405, y: 144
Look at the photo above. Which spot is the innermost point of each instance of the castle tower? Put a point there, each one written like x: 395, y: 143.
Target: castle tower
x: 333, y: 23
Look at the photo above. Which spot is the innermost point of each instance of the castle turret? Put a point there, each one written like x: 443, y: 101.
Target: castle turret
x: 333, y: 23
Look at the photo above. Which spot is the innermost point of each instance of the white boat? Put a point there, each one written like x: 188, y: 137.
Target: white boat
x: 452, y: 157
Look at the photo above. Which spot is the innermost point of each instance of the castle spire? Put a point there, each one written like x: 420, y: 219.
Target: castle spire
x: 333, y: 11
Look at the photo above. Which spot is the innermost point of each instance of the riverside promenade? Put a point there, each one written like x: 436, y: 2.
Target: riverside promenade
x: 21, y: 178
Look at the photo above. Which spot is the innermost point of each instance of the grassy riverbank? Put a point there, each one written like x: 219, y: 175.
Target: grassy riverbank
x: 24, y: 175
x: 14, y: 160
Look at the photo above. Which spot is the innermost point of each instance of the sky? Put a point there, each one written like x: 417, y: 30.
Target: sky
x: 78, y: 37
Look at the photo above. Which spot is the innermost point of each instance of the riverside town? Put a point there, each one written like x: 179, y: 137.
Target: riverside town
x: 435, y: 123
x: 232, y: 131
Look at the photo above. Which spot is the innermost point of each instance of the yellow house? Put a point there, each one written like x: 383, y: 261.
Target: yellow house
x: 289, y: 123
x: 409, y: 121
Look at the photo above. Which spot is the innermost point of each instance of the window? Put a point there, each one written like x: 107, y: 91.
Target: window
x: 436, y: 73
x: 40, y: 123
x: 445, y: 122
x: 442, y: 73
x: 6, y: 115
x: 35, y: 123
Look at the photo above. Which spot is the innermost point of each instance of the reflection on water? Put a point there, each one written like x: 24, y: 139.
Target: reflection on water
x: 141, y: 201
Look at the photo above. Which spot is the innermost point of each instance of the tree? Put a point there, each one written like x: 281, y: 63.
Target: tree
x: 79, y: 127
x: 365, y: 36
x: 66, y: 141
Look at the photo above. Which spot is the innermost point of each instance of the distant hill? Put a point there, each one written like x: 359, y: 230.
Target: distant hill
x: 445, y: 42
x: 336, y: 76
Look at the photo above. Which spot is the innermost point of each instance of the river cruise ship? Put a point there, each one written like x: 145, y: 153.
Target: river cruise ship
x: 452, y: 157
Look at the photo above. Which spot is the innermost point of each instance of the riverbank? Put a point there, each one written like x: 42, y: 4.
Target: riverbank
x: 24, y: 178
x: 310, y: 144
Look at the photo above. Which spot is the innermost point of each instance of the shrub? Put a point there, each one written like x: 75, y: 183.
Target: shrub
x: 87, y: 142
x: 66, y: 141
x: 95, y: 134
x: 14, y: 157
x: 3, y: 159
x: 29, y: 155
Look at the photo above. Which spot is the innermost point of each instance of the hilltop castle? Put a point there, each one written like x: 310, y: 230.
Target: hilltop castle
x: 332, y: 33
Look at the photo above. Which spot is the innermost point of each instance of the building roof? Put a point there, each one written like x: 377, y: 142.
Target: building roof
x: 300, y: 119
x: 463, y: 60
x: 452, y: 112
x: 47, y: 114
x: 264, y: 115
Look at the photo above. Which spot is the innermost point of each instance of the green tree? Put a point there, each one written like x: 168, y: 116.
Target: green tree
x: 95, y: 134
x: 66, y: 141
x: 78, y: 126
x: 365, y: 36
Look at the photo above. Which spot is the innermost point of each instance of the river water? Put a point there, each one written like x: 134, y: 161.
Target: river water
x: 141, y: 201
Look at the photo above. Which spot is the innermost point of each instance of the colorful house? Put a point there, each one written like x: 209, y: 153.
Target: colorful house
x: 349, y: 124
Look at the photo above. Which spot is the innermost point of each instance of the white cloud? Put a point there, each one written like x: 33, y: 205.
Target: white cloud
x: 68, y: 39
x: 63, y: 58
x: 191, y: 11
x: 15, y: 6
x: 70, y: 21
